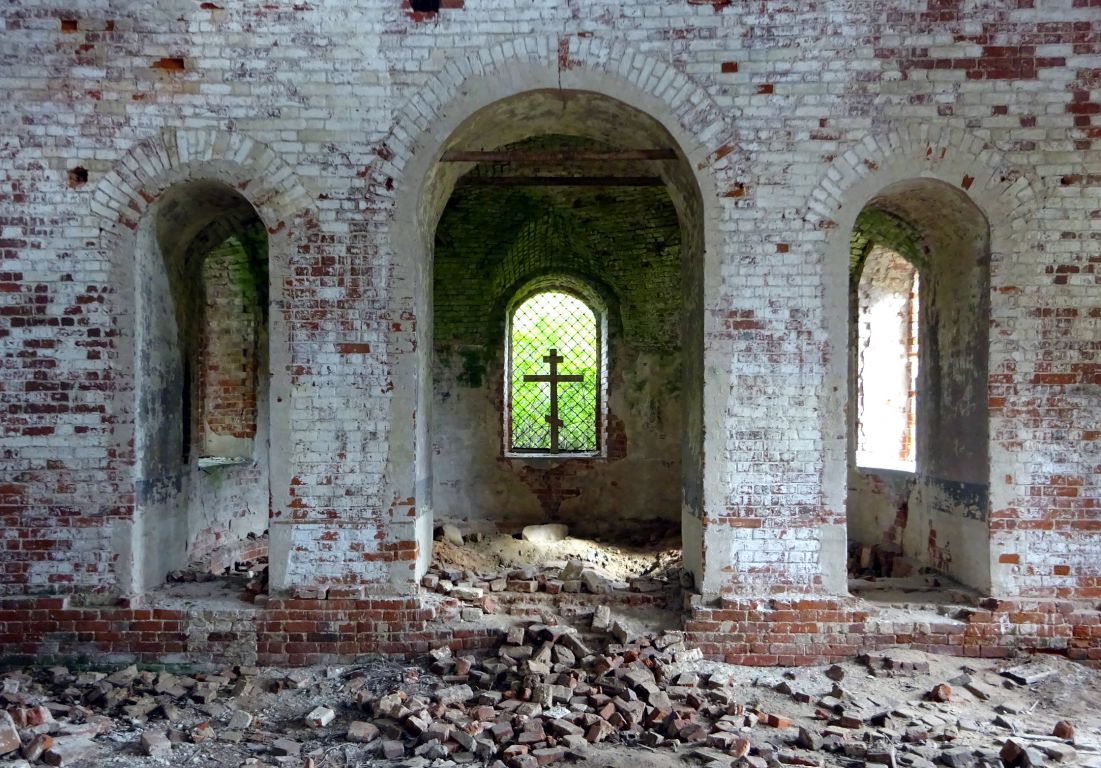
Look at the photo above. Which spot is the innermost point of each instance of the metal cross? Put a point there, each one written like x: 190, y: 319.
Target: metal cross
x: 554, y: 378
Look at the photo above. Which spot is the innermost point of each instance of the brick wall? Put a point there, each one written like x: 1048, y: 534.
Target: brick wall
x: 343, y: 626
x: 790, y: 122
x: 229, y: 356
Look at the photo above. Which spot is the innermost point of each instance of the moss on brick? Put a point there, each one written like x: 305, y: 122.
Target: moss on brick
x: 875, y: 226
x: 492, y: 240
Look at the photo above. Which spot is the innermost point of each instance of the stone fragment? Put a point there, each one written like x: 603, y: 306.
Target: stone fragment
x: 941, y: 693
x: 389, y: 705
x: 451, y: 534
x: 467, y: 593
x: 598, y: 731
x: 572, y: 571
x: 288, y: 747
x: 549, y: 533
x: 1064, y: 729
x: 979, y: 691
x: 1028, y: 674
x: 41, y: 715
x: 835, y: 673
x: 362, y: 732
x: 809, y: 739
x: 1057, y: 751
x: 548, y: 755
x: 454, y: 694
x: 958, y: 757
x: 594, y: 582
x: 240, y: 720
x: 156, y: 744
x: 561, y: 727
x: 392, y: 749
x: 123, y: 677
x: 320, y: 716
x: 881, y: 756
x: 38, y: 746
x: 441, y: 653
x: 9, y: 734
x: 777, y: 721
x: 67, y: 750
x: 202, y: 732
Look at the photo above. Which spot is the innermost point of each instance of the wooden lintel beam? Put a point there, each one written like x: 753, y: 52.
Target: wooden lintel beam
x: 562, y: 181
x: 538, y: 156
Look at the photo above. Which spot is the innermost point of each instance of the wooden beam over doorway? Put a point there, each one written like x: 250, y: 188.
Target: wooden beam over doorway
x: 550, y: 156
x: 561, y: 181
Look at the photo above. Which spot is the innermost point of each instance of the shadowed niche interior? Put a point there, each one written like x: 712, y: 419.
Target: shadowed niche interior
x: 202, y: 386
x: 918, y: 434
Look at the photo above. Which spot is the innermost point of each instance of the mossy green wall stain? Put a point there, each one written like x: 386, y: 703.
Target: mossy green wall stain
x: 250, y: 271
x: 490, y: 241
x: 878, y: 227
x: 474, y: 364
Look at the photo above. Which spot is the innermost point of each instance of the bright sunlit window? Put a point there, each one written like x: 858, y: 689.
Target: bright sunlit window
x: 887, y: 362
x: 554, y: 375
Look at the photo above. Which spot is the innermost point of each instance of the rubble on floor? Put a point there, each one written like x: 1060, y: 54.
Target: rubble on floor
x: 556, y: 694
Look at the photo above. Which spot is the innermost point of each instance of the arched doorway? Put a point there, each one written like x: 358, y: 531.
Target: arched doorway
x: 571, y: 187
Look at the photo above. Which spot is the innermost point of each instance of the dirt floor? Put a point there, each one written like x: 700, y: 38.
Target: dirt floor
x: 617, y: 561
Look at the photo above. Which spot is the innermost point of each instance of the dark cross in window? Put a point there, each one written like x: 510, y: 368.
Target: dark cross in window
x: 555, y: 379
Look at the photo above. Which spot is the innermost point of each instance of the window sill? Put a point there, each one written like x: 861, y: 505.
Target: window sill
x: 879, y: 465
x: 211, y: 462
x: 561, y: 455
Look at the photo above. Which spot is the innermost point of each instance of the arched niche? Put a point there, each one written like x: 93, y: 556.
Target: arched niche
x: 201, y: 384
x: 937, y: 514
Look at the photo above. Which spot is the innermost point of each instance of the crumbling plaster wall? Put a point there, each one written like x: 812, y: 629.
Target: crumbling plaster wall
x: 790, y: 120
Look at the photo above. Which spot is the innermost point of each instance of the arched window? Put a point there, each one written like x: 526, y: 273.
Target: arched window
x: 555, y: 376
x: 887, y: 330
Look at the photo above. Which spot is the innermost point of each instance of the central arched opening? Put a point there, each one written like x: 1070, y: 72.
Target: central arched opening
x: 565, y: 328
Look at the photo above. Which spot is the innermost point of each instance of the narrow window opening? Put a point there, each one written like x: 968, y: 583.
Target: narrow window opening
x: 888, y: 329
x: 554, y: 376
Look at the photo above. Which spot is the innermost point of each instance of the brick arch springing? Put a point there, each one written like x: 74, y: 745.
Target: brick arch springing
x: 120, y: 208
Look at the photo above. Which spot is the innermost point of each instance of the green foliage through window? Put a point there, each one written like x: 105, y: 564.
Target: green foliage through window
x: 564, y: 323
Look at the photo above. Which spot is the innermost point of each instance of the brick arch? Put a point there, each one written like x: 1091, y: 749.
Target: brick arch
x: 120, y: 209
x: 1001, y: 192
x: 402, y: 188
x: 650, y: 85
x: 150, y: 167
x: 1004, y: 192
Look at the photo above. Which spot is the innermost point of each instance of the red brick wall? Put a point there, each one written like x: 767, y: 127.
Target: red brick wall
x: 302, y: 631
x: 230, y: 341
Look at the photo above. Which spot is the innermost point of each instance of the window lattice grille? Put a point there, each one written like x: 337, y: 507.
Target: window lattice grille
x: 563, y: 323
